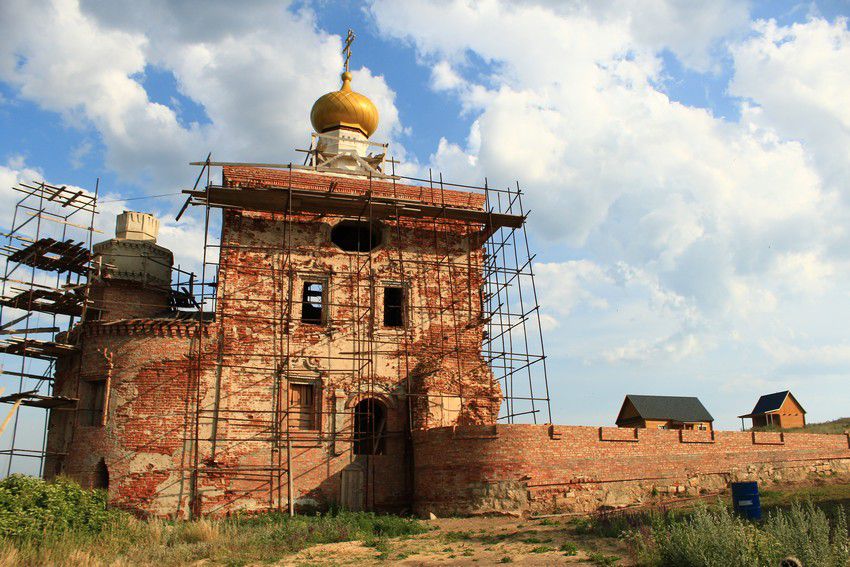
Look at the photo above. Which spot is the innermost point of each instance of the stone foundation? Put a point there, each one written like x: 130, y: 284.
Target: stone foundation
x: 541, y: 469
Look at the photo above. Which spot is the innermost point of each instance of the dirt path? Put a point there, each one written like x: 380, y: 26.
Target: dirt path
x: 475, y: 541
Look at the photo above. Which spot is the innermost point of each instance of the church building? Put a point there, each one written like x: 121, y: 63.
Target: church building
x: 348, y: 307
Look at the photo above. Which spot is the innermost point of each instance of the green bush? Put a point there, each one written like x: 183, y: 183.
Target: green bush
x: 718, y: 538
x: 714, y: 538
x: 804, y: 531
x: 31, y: 507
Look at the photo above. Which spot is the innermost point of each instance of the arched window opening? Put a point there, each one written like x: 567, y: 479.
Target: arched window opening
x: 101, y: 475
x: 356, y: 236
x: 370, y: 427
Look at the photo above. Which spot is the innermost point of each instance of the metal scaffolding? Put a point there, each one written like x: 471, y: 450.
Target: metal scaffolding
x: 496, y: 270
x: 44, y: 291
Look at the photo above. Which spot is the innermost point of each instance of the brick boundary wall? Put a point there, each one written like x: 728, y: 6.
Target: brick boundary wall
x: 519, y: 469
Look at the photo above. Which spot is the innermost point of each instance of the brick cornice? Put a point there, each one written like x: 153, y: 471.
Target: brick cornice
x: 145, y: 327
x: 256, y: 177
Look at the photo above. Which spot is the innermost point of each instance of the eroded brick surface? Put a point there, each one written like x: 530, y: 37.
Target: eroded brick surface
x: 201, y: 423
x: 194, y: 417
x: 524, y: 468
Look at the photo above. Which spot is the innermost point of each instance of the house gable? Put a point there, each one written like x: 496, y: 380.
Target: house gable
x: 628, y: 412
x: 791, y: 406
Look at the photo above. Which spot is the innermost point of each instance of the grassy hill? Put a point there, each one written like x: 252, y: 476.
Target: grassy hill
x: 835, y: 426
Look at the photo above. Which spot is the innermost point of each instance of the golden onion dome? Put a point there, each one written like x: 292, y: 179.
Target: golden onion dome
x: 345, y: 108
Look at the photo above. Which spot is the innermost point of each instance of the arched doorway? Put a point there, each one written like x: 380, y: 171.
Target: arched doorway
x: 370, y: 427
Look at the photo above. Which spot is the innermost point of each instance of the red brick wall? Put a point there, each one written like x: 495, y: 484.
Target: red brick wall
x: 147, y: 442
x: 142, y: 441
x: 521, y: 468
x: 265, y: 259
x: 167, y: 406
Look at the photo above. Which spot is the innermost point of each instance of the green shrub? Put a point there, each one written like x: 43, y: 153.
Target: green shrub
x: 31, y: 507
x: 642, y: 545
x: 717, y: 538
x: 569, y: 548
x: 542, y: 549
x: 714, y: 538
x: 804, y: 531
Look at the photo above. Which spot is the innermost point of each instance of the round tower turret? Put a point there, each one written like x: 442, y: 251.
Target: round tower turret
x: 133, y: 255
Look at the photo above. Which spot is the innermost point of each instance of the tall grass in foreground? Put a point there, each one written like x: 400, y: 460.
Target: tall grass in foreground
x: 717, y: 538
x: 59, y: 523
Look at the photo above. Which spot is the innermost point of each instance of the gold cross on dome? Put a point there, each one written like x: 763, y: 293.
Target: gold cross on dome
x: 349, y: 39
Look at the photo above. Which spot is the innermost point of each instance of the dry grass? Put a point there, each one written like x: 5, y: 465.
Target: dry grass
x: 203, y: 531
x: 9, y: 556
x: 355, y: 539
x: 233, y: 541
x: 836, y: 426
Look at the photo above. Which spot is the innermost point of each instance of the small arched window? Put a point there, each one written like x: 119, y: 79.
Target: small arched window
x: 356, y: 236
x: 370, y: 427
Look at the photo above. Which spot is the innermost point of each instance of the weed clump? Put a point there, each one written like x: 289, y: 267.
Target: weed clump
x: 31, y: 507
x: 542, y: 549
x: 713, y: 538
x: 718, y: 538
x: 49, y: 523
x: 603, y: 560
x: 805, y: 532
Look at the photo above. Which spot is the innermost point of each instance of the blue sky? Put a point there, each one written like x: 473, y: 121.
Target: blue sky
x: 685, y: 163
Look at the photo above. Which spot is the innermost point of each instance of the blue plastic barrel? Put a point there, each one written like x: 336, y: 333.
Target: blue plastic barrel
x: 745, y: 499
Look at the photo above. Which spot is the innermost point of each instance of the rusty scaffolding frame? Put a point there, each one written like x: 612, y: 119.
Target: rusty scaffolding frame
x: 512, y: 345
x: 51, y: 233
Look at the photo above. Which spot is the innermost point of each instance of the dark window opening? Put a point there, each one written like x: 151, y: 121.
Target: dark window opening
x: 93, y: 314
x: 393, y: 307
x: 356, y: 236
x: 101, y: 475
x: 370, y: 427
x: 302, y: 406
x: 91, y: 401
x: 313, y: 303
